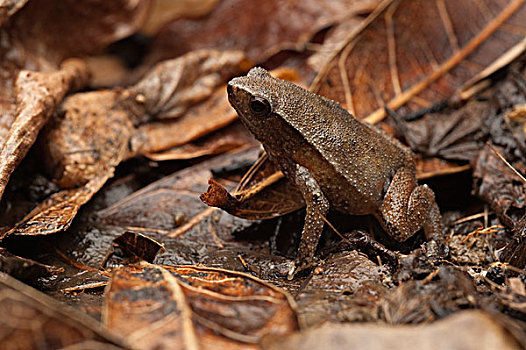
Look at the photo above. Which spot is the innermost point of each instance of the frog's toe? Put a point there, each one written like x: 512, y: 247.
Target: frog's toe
x: 298, y: 266
x: 436, y: 251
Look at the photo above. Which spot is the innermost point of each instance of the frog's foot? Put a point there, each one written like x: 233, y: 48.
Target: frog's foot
x: 435, y: 251
x: 298, y: 266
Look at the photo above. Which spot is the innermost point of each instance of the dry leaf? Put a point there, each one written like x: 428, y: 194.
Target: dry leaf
x: 9, y: 8
x: 191, y: 90
x: 37, y: 96
x: 350, y: 283
x: 499, y: 185
x: 469, y: 330
x: 234, y: 136
x: 30, y: 319
x: 190, y: 307
x: 260, y: 30
x: 91, y: 133
x: 33, y: 40
x: 416, y: 53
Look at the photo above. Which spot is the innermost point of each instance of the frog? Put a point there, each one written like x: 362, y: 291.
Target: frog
x: 334, y: 160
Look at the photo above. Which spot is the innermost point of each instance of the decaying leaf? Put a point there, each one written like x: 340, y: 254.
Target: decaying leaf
x: 260, y: 30
x: 499, y: 185
x: 172, y: 204
x: 263, y: 193
x: 57, y: 212
x: 37, y: 96
x: 23, y: 269
x: 134, y: 246
x: 178, y: 116
x: 9, y: 8
x: 457, y: 135
x: 192, y: 307
x: 30, y: 319
x: 229, y: 138
x: 416, y: 53
x: 479, y: 332
x: 173, y: 86
x: 33, y: 46
x: 352, y: 290
x: 91, y: 133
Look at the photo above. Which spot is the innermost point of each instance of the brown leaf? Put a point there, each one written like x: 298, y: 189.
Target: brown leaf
x: 33, y: 40
x: 164, y: 11
x: 347, y: 282
x: 499, y: 185
x: 58, y: 211
x: 91, y: 133
x: 194, y: 307
x: 37, y: 95
x: 191, y: 91
x: 415, y: 54
x: 473, y: 330
x: 83, y: 148
x: 41, y: 26
x: 24, y: 269
x: 172, y: 204
x: 263, y: 193
x: 134, y: 245
x: 259, y: 30
x: 173, y: 86
x: 89, y: 136
x: 31, y: 320
x: 9, y: 8
x: 233, y: 136
x: 452, y: 135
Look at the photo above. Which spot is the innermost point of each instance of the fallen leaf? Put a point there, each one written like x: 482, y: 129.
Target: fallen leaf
x: 229, y: 138
x: 473, y: 330
x: 33, y: 46
x: 194, y: 307
x: 173, y: 86
x: 57, y: 212
x: 9, y: 8
x: 347, y: 288
x: 453, y: 135
x: 24, y: 269
x: 414, y: 54
x: 499, y: 185
x: 260, y: 31
x: 30, y: 319
x: 37, y: 96
x: 91, y: 133
x: 134, y: 246
x: 263, y: 193
x: 174, y: 89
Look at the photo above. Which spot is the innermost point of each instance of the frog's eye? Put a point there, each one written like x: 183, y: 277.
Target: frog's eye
x: 259, y: 106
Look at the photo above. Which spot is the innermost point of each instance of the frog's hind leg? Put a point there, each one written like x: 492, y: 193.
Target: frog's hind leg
x: 407, y: 207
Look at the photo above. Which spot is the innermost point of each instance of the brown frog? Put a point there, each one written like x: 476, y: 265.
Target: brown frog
x: 334, y: 160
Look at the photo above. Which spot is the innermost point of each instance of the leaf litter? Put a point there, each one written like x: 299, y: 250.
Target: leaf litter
x: 202, y: 261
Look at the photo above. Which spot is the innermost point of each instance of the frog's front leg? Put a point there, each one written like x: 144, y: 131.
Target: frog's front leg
x: 407, y: 208
x: 317, y: 207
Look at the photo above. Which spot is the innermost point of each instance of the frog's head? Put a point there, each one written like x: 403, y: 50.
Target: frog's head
x: 250, y: 96
x: 262, y: 101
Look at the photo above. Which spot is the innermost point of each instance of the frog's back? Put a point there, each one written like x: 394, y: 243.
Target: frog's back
x: 366, y: 158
